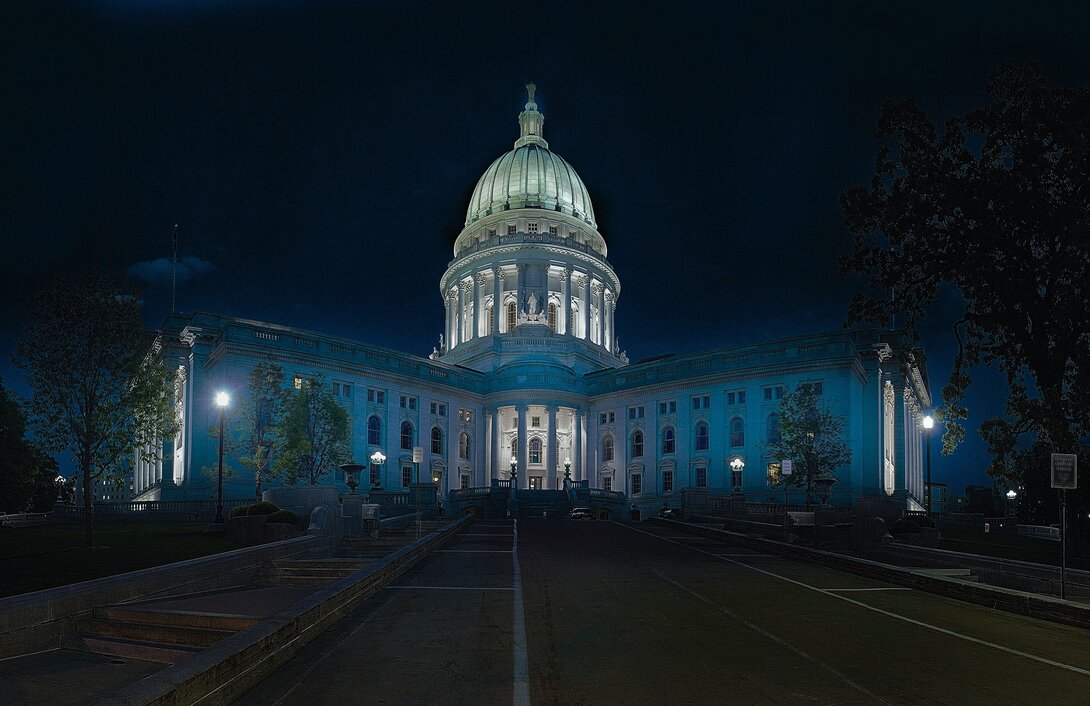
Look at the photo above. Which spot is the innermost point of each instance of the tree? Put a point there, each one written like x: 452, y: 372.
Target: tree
x: 811, y: 436
x: 22, y: 464
x: 99, y: 389
x: 998, y: 207
x: 260, y: 437
x: 315, y: 434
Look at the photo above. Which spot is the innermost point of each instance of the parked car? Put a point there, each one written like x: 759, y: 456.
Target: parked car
x: 580, y: 513
x: 669, y: 513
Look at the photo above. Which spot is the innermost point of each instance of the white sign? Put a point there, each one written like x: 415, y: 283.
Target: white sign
x: 785, y: 467
x: 1065, y: 471
x: 418, y: 454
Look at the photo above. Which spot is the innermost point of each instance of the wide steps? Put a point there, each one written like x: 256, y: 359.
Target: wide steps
x: 132, y: 649
x: 955, y: 573
x: 147, y: 632
x: 184, y: 618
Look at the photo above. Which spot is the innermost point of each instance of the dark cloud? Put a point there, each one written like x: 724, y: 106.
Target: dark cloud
x: 159, y: 271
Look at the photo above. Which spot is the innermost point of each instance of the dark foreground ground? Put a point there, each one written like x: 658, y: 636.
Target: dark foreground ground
x: 616, y: 613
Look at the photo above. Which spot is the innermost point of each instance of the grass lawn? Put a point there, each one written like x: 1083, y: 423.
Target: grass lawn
x: 33, y: 558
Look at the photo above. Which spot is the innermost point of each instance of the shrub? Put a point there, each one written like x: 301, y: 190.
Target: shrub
x: 262, y: 508
x: 240, y: 511
x: 286, y: 517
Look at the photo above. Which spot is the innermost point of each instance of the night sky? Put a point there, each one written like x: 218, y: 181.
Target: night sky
x: 318, y: 156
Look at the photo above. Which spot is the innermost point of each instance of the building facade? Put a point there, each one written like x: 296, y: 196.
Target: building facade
x: 528, y: 374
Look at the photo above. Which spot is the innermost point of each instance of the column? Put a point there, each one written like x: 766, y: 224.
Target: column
x: 565, y: 300
x: 607, y: 320
x: 451, y: 314
x: 497, y: 294
x: 553, y: 451
x: 478, y: 311
x: 523, y: 447
x: 577, y: 434
x: 596, y: 295
x: 459, y: 312
x: 494, y: 467
x: 584, y: 303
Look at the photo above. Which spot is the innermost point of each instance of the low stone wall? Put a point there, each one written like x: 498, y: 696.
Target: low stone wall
x: 36, y: 621
x: 1044, y: 607
x: 229, y: 668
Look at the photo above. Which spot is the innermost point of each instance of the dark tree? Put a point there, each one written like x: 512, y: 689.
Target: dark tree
x: 315, y: 433
x: 26, y: 474
x: 998, y: 207
x: 260, y: 433
x: 811, y: 436
x: 99, y: 389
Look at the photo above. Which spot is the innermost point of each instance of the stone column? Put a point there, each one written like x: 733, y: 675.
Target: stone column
x: 523, y: 447
x: 459, y: 312
x: 452, y: 326
x: 553, y: 450
x: 596, y: 295
x: 584, y: 297
x: 479, y: 324
x: 497, y: 295
x: 607, y: 328
x: 577, y: 435
x: 565, y: 300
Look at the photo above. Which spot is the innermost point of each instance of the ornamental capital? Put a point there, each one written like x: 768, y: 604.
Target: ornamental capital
x: 482, y: 278
x: 596, y: 288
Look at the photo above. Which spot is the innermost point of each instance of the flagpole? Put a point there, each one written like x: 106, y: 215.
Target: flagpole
x: 174, y: 270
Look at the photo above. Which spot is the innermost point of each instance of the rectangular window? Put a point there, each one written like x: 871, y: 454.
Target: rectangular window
x: 346, y: 390
x: 601, y: 417
x: 702, y: 402
x: 773, y: 473
x: 774, y: 393
x: 465, y: 415
x: 606, y: 417
x: 531, y: 228
x: 511, y: 230
x: 408, y: 402
x: 434, y: 407
x: 442, y: 409
x: 779, y: 392
x: 668, y: 407
x: 552, y: 230
x: 736, y: 479
x: 336, y: 389
x: 377, y: 396
x: 818, y: 387
x: 736, y: 397
x: 607, y: 483
x: 635, y: 412
x: 374, y: 473
x: 492, y: 233
x: 406, y: 476
x: 667, y: 481
x: 730, y: 398
x: 465, y: 481
x: 637, y: 483
x: 702, y: 478
x: 298, y: 382
x: 535, y: 422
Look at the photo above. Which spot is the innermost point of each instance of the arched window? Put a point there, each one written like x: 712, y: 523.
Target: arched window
x: 637, y: 444
x: 437, y: 440
x: 737, y: 433
x: 463, y: 446
x: 669, y: 443
x: 406, y: 435
x: 511, y: 316
x: 552, y: 317
x: 607, y: 448
x: 515, y: 448
x: 701, y: 436
x: 535, y: 450
x: 374, y: 430
x: 774, y: 429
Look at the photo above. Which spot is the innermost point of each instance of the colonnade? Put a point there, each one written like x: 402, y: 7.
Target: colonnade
x: 561, y: 431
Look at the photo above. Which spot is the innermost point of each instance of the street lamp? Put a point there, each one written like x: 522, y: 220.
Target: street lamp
x: 567, y: 472
x: 736, y: 466
x: 928, y: 423
x: 222, y: 400
x: 377, y: 459
x: 1011, y: 495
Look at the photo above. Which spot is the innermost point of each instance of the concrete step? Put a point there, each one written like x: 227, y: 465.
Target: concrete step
x: 303, y: 580
x: 353, y: 564
x: 954, y: 573
x: 303, y: 572
x: 184, y: 618
x: 162, y: 634
x: 132, y: 649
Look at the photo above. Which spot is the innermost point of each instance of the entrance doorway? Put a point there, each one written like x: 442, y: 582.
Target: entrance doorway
x: 535, y: 482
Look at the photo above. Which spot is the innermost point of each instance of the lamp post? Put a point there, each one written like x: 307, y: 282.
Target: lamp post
x: 736, y: 466
x: 378, y: 458
x: 1011, y: 495
x: 567, y: 473
x: 222, y: 400
x: 928, y: 423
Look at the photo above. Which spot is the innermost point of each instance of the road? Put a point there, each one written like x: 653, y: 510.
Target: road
x: 635, y: 613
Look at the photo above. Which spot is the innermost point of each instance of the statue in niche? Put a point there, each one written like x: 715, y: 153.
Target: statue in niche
x: 531, y: 305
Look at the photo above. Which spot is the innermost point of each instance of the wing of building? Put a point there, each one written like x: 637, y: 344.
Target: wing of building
x: 528, y: 376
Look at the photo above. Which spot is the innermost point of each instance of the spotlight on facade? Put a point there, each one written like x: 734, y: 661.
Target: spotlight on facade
x: 222, y: 399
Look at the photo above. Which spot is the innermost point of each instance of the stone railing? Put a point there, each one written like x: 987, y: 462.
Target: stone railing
x: 611, y: 495
x: 461, y: 493
x: 137, y: 507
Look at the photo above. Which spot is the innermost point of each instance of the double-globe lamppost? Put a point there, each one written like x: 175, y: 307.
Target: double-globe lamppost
x: 928, y: 423
x: 222, y: 400
x: 377, y: 459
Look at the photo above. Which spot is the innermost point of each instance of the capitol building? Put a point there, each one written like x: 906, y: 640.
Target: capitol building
x: 528, y: 375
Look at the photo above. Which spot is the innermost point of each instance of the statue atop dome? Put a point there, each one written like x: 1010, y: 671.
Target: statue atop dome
x: 531, y: 122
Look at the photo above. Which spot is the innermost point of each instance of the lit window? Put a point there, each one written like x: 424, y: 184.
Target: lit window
x: 701, y: 437
x: 535, y: 450
x: 667, y: 481
x: 637, y: 483
x: 406, y: 435
x: 737, y: 432
x: 702, y: 478
x: 637, y: 444
x: 298, y: 382
x: 669, y: 443
x: 436, y: 440
x: 773, y: 473
x: 374, y: 430
x: 607, y: 449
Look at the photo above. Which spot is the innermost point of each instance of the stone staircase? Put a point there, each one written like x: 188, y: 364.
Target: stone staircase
x: 543, y: 503
x: 959, y: 574
x: 391, y: 540
x: 164, y: 636
x: 309, y: 572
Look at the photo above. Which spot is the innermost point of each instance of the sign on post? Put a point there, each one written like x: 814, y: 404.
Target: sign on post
x: 1065, y: 471
x: 785, y: 467
x: 418, y: 454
